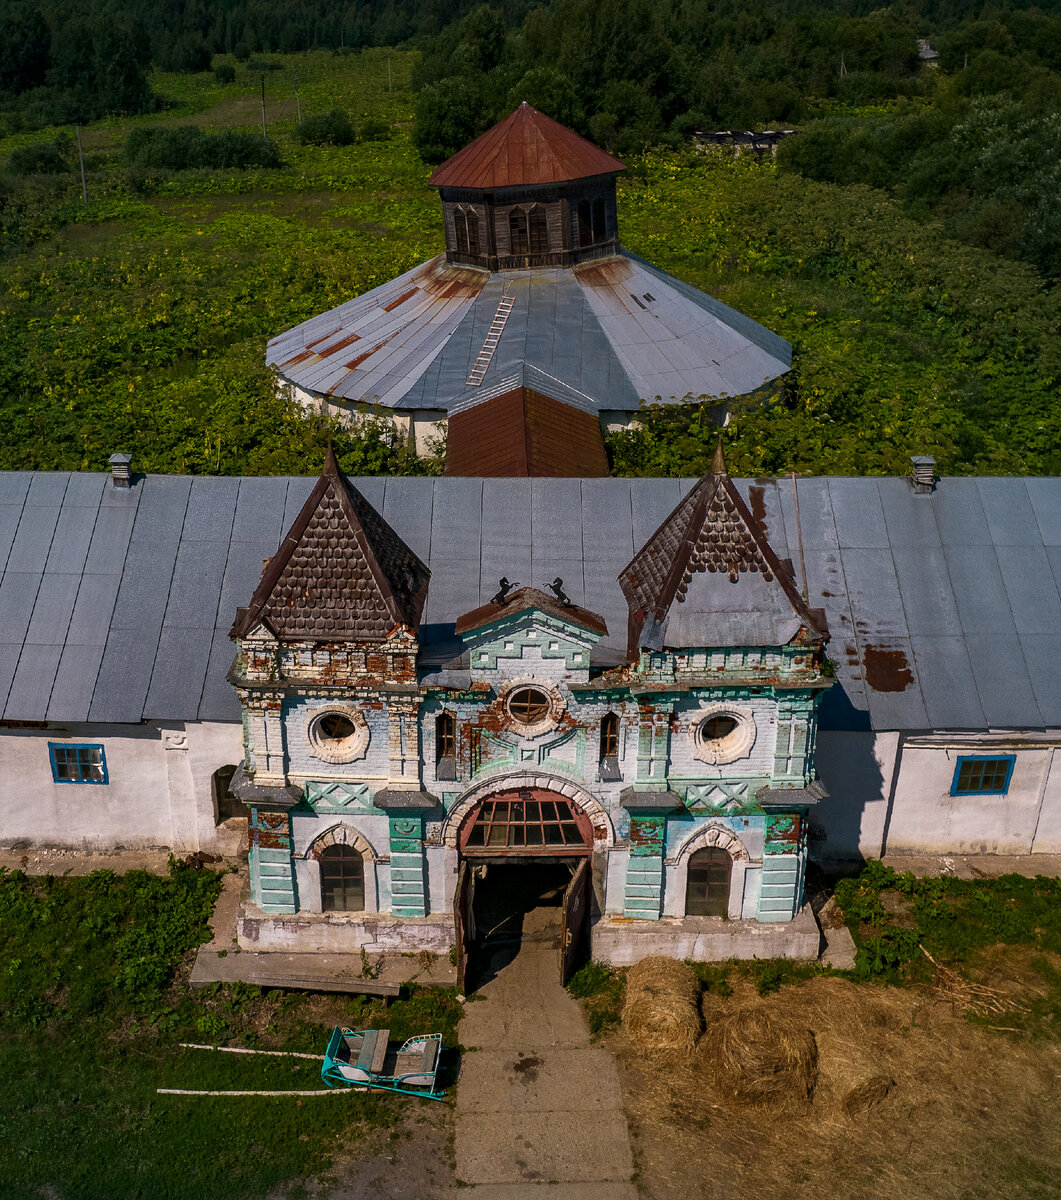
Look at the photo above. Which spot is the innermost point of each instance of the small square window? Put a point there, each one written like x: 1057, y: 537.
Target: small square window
x: 980, y: 775
x: 77, y: 764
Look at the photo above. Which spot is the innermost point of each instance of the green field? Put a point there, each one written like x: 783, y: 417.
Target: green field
x: 139, y: 321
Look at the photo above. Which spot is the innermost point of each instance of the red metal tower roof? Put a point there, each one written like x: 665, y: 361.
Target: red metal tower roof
x: 527, y: 147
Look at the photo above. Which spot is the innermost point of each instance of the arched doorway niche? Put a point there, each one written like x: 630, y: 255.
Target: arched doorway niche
x: 716, y: 836
x: 308, y: 869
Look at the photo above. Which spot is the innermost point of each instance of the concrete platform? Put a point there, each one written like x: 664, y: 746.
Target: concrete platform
x: 621, y: 941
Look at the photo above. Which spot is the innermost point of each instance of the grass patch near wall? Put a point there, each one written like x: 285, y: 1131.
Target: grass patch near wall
x: 93, y: 1003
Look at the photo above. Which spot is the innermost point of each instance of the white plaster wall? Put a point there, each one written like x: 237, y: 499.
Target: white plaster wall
x: 857, y: 770
x: 158, y: 792
x: 1048, y: 827
x: 925, y: 817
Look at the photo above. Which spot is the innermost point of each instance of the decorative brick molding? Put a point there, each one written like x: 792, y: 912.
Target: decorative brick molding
x: 603, y: 832
x: 337, y: 750
x: 736, y: 744
x: 713, y: 835
x: 340, y: 835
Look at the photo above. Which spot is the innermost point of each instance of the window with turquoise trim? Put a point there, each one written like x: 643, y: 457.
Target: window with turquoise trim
x: 77, y: 764
x: 982, y: 775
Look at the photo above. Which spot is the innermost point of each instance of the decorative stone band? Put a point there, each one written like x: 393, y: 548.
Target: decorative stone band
x: 713, y: 835
x: 277, y: 799
x: 340, y: 835
x: 603, y: 832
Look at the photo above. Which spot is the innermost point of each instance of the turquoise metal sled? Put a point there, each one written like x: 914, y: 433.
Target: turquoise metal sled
x: 364, y: 1058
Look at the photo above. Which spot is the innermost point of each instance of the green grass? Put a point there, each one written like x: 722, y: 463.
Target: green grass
x: 90, y: 1021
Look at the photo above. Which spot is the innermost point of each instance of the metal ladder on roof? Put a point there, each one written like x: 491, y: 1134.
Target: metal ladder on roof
x: 493, y: 336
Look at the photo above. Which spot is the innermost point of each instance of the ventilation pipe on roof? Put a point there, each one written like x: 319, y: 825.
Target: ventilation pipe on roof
x: 923, y: 476
x: 121, y: 470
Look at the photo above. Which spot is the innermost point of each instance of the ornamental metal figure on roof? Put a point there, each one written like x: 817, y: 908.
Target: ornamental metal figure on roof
x: 533, y: 295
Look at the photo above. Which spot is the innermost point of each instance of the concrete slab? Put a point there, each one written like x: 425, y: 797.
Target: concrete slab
x: 524, y: 1079
x: 976, y: 866
x: 550, y: 1191
x: 563, y: 1147
x: 839, y: 952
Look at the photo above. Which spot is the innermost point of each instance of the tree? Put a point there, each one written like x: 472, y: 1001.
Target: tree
x: 449, y: 115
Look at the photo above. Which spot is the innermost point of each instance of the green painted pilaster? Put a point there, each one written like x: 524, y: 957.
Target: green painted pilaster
x: 644, y: 868
x: 784, y: 857
x: 272, y: 870
x: 408, y: 885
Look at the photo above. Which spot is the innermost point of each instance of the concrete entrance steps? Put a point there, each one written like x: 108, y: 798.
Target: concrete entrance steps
x: 539, y: 1109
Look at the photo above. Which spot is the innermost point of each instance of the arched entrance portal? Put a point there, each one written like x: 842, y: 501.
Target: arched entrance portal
x: 524, y: 872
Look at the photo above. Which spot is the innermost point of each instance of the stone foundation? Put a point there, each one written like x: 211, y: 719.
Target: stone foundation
x: 344, y: 933
x: 620, y: 942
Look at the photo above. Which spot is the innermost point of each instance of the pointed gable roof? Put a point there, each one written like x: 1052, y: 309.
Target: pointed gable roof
x: 527, y: 147
x: 341, y: 573
x: 525, y: 599
x: 712, y: 555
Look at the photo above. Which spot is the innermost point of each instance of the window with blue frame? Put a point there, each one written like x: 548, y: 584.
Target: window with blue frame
x: 77, y: 764
x: 982, y: 775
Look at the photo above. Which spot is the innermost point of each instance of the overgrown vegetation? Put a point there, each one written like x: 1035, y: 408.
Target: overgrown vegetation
x: 92, y: 1005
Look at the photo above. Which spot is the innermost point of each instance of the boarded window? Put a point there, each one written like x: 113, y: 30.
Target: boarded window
x: 585, y: 224
x: 342, y: 880
x: 460, y: 222
x: 600, y: 231
x: 517, y: 229
x: 473, y: 231
x: 539, y: 231
x: 707, y: 890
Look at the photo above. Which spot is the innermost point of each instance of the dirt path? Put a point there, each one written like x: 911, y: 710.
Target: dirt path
x: 539, y: 1110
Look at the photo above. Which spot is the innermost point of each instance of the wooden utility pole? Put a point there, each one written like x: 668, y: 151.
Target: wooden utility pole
x: 298, y: 105
x: 81, y: 160
x: 265, y: 133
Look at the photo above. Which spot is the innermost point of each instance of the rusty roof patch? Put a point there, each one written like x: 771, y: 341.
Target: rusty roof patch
x: 401, y: 299
x: 526, y: 148
x: 886, y: 670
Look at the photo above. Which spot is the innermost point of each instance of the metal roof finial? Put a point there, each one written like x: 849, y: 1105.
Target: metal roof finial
x: 331, y: 463
x: 718, y: 463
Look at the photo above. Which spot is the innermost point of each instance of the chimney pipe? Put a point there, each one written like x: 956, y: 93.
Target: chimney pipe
x: 121, y: 470
x: 923, y: 476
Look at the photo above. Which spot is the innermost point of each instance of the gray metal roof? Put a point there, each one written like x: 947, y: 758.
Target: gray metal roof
x: 944, y: 610
x: 606, y: 334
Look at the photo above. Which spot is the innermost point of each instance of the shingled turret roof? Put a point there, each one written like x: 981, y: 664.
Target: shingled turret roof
x: 526, y: 148
x: 341, y: 573
x: 712, y: 558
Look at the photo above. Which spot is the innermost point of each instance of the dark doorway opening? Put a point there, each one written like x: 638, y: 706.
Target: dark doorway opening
x: 514, y: 900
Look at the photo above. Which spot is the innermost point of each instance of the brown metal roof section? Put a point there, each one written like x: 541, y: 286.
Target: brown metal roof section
x: 341, y: 574
x: 525, y: 433
x: 712, y: 529
x: 526, y: 598
x: 525, y: 148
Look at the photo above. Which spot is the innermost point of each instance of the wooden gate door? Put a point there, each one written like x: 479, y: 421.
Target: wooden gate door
x: 462, y: 913
x: 574, y: 924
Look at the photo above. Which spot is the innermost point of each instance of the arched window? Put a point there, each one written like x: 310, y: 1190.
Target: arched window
x: 226, y: 804
x: 585, y: 224
x: 517, y: 229
x: 342, y: 879
x: 707, y: 889
x: 460, y: 222
x: 539, y: 231
x: 473, y: 231
x: 609, y: 747
x: 600, y: 231
x: 445, y: 746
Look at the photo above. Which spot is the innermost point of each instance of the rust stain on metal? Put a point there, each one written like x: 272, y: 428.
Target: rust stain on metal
x: 886, y: 670
x: 323, y: 337
x: 401, y: 299
x: 341, y: 344
x: 604, y: 272
x: 354, y: 363
x: 757, y: 498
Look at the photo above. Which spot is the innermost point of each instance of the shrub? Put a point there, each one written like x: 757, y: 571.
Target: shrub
x: 225, y: 73
x: 374, y: 129
x: 326, y: 129
x: 186, y: 147
x: 41, y: 158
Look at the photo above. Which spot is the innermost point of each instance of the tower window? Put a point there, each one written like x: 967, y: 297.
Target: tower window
x: 600, y: 231
x: 460, y: 222
x: 585, y: 223
x: 609, y: 748
x: 539, y: 231
x: 445, y: 746
x: 517, y: 229
x: 473, y: 231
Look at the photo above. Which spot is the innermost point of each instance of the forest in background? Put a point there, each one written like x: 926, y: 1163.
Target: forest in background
x: 922, y: 323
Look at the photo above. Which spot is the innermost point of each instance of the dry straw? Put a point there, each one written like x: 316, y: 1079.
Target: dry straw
x: 755, y: 1055
x: 661, y: 1011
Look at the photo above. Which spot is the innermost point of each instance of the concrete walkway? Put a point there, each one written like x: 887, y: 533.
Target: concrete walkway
x: 539, y: 1110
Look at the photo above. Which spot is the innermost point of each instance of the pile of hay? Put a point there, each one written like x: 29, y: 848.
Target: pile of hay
x: 756, y: 1055
x: 661, y: 1012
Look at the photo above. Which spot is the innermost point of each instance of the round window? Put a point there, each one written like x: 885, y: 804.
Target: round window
x: 337, y: 735
x: 724, y: 735
x: 528, y: 706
